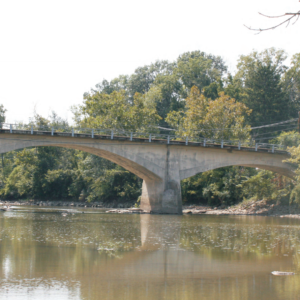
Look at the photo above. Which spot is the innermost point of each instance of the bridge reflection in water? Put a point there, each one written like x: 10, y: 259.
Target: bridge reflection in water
x: 92, y: 256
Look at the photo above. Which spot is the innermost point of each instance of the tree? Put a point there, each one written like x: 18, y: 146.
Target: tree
x: 291, y: 83
x: 165, y: 94
x: 260, y: 78
x: 199, y: 69
x: 259, y: 186
x: 2, y: 114
x: 295, y: 160
x: 143, y: 77
x: 114, y: 111
x: 222, y: 118
x: 216, y: 187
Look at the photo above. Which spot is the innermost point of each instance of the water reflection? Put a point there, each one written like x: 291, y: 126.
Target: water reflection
x: 101, y: 256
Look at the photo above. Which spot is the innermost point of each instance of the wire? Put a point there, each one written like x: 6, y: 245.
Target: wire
x: 283, y: 129
x: 275, y: 124
x: 274, y: 132
x: 272, y: 137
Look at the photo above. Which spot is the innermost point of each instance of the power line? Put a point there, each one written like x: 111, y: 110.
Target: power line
x: 275, y: 124
x: 252, y: 128
x: 279, y: 130
x: 272, y: 137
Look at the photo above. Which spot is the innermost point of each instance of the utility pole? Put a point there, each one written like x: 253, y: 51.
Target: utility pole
x: 298, y: 121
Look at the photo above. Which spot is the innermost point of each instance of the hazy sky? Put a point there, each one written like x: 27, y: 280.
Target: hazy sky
x: 51, y: 52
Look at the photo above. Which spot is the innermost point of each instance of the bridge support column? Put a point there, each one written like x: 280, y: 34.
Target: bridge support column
x: 161, y: 197
x: 164, y: 196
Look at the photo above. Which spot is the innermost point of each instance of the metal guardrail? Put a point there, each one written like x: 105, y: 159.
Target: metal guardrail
x: 131, y: 136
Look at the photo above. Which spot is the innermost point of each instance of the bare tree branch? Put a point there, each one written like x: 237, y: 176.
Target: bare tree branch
x: 286, y: 21
x: 272, y: 16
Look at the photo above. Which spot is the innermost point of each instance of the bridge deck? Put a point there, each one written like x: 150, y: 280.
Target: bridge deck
x: 143, y: 140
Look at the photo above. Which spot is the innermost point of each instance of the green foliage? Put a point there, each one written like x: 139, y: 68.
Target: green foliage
x: 288, y: 139
x: 116, y: 112
x: 199, y: 69
x: 222, y: 118
x: 295, y: 160
x: 58, y: 173
x: 261, y: 89
x: 259, y: 186
x: 115, y: 184
x: 2, y: 114
x: 216, y: 187
x: 224, y: 187
x: 291, y: 82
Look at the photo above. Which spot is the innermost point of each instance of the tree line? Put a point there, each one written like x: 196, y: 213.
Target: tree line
x: 194, y: 96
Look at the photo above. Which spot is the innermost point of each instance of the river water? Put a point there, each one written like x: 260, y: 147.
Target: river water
x: 93, y: 255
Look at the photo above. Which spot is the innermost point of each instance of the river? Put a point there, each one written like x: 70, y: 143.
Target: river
x: 45, y: 254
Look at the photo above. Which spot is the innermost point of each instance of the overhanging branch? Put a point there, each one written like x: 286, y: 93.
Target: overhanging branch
x: 286, y: 21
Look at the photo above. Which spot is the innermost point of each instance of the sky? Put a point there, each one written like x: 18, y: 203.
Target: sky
x: 52, y: 52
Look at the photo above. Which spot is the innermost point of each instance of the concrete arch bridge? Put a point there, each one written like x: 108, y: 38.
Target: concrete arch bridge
x: 161, y: 163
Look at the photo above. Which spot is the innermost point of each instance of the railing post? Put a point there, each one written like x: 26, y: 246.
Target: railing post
x: 72, y: 132
x: 256, y: 146
x: 52, y: 131
x: 92, y: 133
x: 273, y: 148
x: 187, y: 140
x: 130, y: 136
x: 222, y: 143
x: 239, y: 147
x: 150, y: 138
x: 10, y: 128
x: 112, y: 135
x: 31, y: 129
x: 168, y: 139
x: 204, y: 142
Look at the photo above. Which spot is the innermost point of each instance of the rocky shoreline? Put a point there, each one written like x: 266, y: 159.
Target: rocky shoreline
x: 99, y: 204
x: 258, y: 208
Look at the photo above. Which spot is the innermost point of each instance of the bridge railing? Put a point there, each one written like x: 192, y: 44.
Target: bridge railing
x: 149, y: 136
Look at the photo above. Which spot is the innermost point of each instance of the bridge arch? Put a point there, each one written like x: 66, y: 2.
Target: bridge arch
x: 131, y: 162
x: 127, y: 164
x: 217, y: 158
x: 197, y: 170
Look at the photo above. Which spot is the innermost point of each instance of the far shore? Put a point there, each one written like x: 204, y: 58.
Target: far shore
x: 257, y: 208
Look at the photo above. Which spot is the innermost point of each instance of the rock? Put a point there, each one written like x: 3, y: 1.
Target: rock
x: 124, y: 211
x: 278, y: 273
x: 200, y: 211
x: 186, y: 211
x: 133, y: 209
x: 112, y: 211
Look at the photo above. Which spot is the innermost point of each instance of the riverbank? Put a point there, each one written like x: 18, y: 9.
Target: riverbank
x: 113, y: 204
x: 260, y: 208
